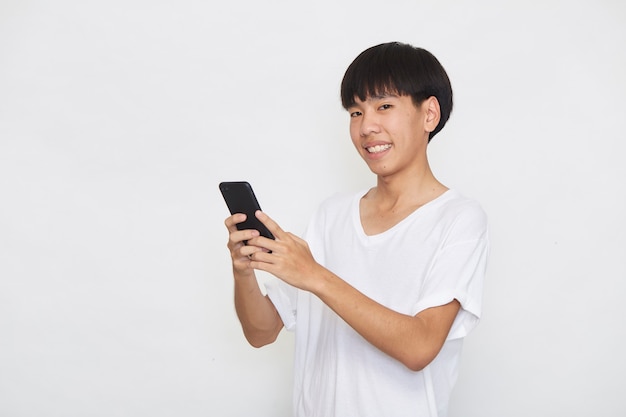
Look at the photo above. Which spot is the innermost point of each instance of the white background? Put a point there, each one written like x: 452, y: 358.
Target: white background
x: 119, y: 119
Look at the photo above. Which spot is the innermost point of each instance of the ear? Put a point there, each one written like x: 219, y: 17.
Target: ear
x: 432, y: 112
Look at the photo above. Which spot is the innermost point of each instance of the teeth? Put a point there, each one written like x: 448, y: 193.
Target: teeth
x: 378, y: 148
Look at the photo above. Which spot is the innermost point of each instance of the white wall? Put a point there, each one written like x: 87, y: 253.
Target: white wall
x: 118, y: 120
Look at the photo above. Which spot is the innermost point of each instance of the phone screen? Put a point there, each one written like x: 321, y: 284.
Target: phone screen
x: 240, y: 198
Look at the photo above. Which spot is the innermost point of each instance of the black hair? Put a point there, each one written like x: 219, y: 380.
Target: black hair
x: 401, y: 69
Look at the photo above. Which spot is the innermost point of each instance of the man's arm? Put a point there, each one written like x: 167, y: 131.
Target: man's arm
x: 259, y: 318
x: 413, y: 340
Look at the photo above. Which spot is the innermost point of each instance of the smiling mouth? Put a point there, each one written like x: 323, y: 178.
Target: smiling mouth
x: 378, y: 148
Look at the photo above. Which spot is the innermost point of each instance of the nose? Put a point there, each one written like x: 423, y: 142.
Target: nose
x: 369, y: 124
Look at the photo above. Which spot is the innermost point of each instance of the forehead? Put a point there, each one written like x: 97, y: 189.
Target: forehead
x: 372, y: 89
x: 371, y: 98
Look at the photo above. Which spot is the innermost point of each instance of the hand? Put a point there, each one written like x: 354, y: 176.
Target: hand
x: 239, y: 252
x: 290, y: 258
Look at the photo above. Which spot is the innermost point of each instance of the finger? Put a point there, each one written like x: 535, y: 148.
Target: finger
x: 261, y: 259
x: 298, y: 239
x: 270, y: 224
x: 249, y: 251
x: 232, y: 221
x: 239, y: 237
x: 267, y: 245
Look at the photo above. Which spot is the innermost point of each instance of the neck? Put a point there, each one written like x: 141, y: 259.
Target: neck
x: 393, y: 199
x: 417, y: 185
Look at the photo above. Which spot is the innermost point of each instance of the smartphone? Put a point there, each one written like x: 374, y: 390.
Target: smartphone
x: 240, y: 198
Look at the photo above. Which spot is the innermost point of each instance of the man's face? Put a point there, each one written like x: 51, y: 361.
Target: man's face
x: 389, y: 132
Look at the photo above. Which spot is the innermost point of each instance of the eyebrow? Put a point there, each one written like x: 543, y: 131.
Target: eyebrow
x: 380, y: 96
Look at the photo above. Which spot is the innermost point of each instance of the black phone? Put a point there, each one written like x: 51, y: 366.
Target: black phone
x: 240, y: 198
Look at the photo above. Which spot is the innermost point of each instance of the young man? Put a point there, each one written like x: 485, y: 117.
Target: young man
x: 387, y: 281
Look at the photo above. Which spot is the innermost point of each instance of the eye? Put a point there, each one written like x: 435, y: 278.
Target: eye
x: 385, y: 107
x: 355, y: 114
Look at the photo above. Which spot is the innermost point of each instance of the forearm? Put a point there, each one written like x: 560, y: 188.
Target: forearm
x: 413, y: 340
x: 259, y: 319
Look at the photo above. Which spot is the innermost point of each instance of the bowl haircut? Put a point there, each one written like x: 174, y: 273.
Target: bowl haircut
x: 398, y: 68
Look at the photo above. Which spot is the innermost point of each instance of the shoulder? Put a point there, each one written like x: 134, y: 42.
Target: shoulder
x: 339, y: 202
x: 332, y: 213
x: 342, y: 198
x: 457, y: 204
x: 338, y: 207
x: 464, y: 216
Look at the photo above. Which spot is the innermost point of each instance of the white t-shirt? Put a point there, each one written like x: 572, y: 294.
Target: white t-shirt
x: 437, y: 254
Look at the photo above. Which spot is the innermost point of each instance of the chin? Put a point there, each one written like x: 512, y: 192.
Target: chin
x: 381, y: 171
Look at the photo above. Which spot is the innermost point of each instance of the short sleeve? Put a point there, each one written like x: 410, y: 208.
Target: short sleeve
x: 458, y: 272
x: 284, y: 297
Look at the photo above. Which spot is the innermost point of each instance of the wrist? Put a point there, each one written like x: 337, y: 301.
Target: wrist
x: 244, y: 275
x: 323, y: 282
